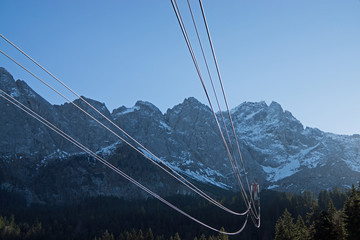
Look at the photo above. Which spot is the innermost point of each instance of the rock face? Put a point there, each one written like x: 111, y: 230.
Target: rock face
x: 275, y: 146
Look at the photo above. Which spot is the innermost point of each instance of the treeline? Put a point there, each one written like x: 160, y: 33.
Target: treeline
x: 10, y: 230
x: 133, y: 235
x: 326, y: 220
x: 113, y: 218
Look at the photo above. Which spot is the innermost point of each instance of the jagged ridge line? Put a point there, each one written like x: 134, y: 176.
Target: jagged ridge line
x: 184, y: 181
x: 112, y: 167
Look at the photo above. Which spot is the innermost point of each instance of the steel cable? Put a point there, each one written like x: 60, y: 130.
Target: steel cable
x: 224, y: 95
x: 178, y: 15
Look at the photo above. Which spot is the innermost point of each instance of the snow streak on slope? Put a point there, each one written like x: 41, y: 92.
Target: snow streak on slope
x: 205, y: 175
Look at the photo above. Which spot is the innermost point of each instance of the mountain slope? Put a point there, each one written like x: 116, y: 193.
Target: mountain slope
x: 275, y: 146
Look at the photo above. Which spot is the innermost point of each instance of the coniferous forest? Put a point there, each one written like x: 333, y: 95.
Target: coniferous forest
x: 333, y: 214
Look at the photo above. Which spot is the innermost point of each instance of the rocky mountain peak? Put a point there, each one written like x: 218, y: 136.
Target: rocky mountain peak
x: 26, y: 90
x: 140, y: 107
x: 3, y: 71
x: 20, y: 90
x: 101, y: 107
x: 119, y: 111
x: 7, y: 83
x: 148, y: 107
x: 275, y: 107
x: 188, y: 113
x: 246, y: 108
x: 193, y: 103
x: 251, y: 114
x: 189, y: 106
x: 275, y: 147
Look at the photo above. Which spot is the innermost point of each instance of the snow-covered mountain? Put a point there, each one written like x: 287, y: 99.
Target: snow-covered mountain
x: 276, y: 148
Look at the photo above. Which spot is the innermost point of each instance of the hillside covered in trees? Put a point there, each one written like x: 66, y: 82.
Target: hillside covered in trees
x: 326, y: 220
x: 330, y: 215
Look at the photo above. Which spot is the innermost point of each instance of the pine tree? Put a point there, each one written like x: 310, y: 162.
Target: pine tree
x: 311, y: 216
x: 302, y: 232
x: 2, y: 223
x: 285, y: 228
x: 328, y: 224
x: 202, y: 237
x: 107, y: 236
x: 35, y: 231
x: 133, y: 234
x: 337, y: 229
x: 338, y: 197
x: 127, y: 236
x: 149, y: 235
x: 331, y: 209
x: 140, y: 235
x: 177, y: 236
x: 10, y: 229
x: 222, y: 236
x: 323, y: 226
x: 352, y: 214
x: 324, y: 199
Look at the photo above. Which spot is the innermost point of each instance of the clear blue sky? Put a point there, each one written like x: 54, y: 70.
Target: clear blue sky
x: 304, y: 54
